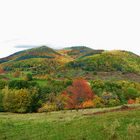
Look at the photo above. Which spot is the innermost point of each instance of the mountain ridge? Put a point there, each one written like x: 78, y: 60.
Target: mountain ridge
x: 42, y: 51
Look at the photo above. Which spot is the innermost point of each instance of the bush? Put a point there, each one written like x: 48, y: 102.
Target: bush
x: 28, y: 77
x: 132, y: 93
x: 121, y: 98
x: 110, y: 99
x: 98, y: 102
x: 61, y: 102
x: 113, y: 102
x: 47, y: 107
x: 131, y: 101
x: 106, y: 96
x: 88, y: 104
x: 137, y: 100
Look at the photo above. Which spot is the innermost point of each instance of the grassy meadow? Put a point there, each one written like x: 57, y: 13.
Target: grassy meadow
x: 71, y: 125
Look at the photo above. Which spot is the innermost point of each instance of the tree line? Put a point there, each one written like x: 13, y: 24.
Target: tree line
x: 23, y: 96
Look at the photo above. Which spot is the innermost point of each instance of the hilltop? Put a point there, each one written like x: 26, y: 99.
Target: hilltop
x: 40, y: 52
x: 79, y: 51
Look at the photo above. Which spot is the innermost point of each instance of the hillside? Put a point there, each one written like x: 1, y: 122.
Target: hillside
x: 119, y: 65
x: 109, y: 61
x: 40, y: 52
x: 72, y: 62
x: 41, y: 60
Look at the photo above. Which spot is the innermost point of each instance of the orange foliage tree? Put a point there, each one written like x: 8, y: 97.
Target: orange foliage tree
x: 88, y: 104
x: 78, y: 93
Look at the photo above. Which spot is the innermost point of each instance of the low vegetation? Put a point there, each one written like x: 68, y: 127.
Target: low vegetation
x: 71, y: 125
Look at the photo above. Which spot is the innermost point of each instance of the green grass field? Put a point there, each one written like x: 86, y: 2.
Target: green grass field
x: 71, y: 125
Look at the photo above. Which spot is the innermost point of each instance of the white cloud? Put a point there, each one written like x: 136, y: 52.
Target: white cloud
x: 101, y: 24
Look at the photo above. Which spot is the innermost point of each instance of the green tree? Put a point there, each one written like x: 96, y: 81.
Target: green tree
x: 20, y: 100
x: 1, y: 103
x: 131, y: 93
x: 19, y: 84
x: 28, y: 77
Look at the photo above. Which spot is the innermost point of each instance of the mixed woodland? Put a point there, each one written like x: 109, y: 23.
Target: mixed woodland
x: 43, y: 79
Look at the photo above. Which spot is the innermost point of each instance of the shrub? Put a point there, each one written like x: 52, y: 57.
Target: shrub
x: 110, y: 99
x: 113, y: 102
x: 106, y: 96
x: 132, y: 93
x: 47, y: 107
x: 131, y: 101
x: 137, y: 100
x: 121, y: 98
x: 54, y: 103
x: 88, y: 104
x: 61, y: 101
x: 98, y: 102
x: 28, y: 77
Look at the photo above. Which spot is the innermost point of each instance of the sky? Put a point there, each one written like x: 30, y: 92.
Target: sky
x: 99, y: 24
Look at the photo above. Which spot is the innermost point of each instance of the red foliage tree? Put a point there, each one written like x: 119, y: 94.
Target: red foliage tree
x: 77, y: 93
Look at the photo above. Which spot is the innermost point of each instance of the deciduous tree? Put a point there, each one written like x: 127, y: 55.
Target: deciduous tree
x: 78, y: 92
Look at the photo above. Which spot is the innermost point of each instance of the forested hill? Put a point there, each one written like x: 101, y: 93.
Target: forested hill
x: 72, y: 62
x: 123, y: 61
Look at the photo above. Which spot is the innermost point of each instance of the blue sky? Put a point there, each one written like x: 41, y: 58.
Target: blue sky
x: 100, y: 24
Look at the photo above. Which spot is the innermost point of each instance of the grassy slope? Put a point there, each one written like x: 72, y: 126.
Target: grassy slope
x: 71, y: 125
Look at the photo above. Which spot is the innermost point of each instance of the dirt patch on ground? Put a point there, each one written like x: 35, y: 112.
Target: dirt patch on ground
x: 123, y: 108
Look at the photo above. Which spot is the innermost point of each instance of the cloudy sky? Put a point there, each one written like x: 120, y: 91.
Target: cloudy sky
x: 100, y: 24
